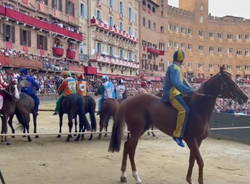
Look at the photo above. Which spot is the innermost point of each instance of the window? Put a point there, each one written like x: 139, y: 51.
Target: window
x: 183, y: 30
x: 247, y: 52
x: 57, y: 4
x: 153, y: 9
x: 230, y: 50
x: 189, y: 31
x: 121, y: 26
x: 83, y: 11
x: 229, y: 36
x: 200, y: 33
x: 70, y: 9
x: 130, y: 14
x: 239, y: 52
x: 201, y: 19
x: 41, y: 42
x: 111, y: 3
x: 162, y: 29
x: 170, y: 44
x: 183, y: 46
x: 143, y: 21
x: 211, y: 35
x: 25, y: 37
x: 154, y: 26
x: 239, y: 36
x: 149, y: 24
x: 129, y: 55
x: 98, y: 15
x: 121, y: 8
x: 8, y: 33
x: 247, y: 37
x: 219, y: 50
x: 129, y: 31
x: 220, y: 36
x: 121, y: 53
x: 189, y: 47
x: 110, y: 50
x: 98, y: 48
x: 211, y: 49
x: 200, y: 48
x: 110, y: 21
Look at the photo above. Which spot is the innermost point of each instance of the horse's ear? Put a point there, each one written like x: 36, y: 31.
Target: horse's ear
x: 222, y: 69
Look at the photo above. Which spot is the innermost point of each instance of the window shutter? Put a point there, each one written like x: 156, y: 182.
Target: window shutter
x: 29, y: 38
x: 46, y: 43
x: 21, y: 37
x: 85, y: 11
x: 13, y: 34
x: 38, y: 42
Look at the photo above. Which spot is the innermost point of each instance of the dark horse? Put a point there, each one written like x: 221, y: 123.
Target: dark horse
x: 73, y: 105
x: 8, y: 109
x: 109, y: 109
x: 89, y: 107
x: 24, y: 107
x: 142, y: 111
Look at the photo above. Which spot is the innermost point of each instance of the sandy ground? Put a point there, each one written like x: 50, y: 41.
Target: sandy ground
x: 49, y: 160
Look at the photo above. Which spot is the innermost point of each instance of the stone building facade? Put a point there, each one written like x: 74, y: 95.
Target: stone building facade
x: 208, y: 41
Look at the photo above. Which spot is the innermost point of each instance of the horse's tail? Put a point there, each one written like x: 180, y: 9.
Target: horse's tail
x: 92, y: 106
x: 117, y: 130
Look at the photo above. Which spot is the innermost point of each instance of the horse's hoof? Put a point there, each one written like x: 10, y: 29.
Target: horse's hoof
x: 106, y: 135
x: 91, y: 137
x: 58, y: 136
x: 75, y: 134
x: 148, y: 134
x: 30, y: 140
x: 154, y: 135
x: 8, y: 143
x: 24, y: 135
x: 100, y: 136
x: 13, y: 136
x: 37, y: 136
x: 123, y: 179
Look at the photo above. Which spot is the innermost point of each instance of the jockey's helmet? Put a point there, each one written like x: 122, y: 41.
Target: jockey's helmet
x: 24, y: 71
x: 179, y: 55
x: 66, y: 74
x: 80, y: 76
x: 106, y: 78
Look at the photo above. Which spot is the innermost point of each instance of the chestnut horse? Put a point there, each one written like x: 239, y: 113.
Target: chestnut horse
x: 141, y: 111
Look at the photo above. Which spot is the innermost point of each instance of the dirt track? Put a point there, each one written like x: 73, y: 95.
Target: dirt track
x: 49, y: 160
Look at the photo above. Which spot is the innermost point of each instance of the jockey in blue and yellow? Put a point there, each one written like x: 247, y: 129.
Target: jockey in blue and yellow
x: 29, y: 86
x: 175, y: 86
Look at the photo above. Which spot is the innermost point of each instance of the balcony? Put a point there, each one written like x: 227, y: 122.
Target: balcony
x: 29, y: 20
x: 155, y: 51
x: 114, y: 61
x: 57, y: 51
x: 71, y: 54
x: 105, y: 27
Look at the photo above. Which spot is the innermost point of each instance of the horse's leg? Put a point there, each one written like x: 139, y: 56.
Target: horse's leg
x: 190, y: 168
x: 11, y: 125
x: 124, y: 162
x: 132, y: 147
x: 93, y: 122
x: 4, y: 130
x: 34, y: 114
x: 101, y: 125
x: 76, y: 126
x: 27, y: 125
x: 106, y: 125
x: 70, y: 124
x: 60, y: 124
x: 194, y: 145
x: 152, y: 129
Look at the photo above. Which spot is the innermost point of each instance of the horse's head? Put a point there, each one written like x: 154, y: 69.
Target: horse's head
x: 225, y: 87
x: 13, y: 90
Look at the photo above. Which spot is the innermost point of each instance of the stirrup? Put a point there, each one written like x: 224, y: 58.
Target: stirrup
x: 179, y: 141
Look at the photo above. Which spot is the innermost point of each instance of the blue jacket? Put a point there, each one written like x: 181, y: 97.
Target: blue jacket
x: 30, y: 85
x: 175, y: 84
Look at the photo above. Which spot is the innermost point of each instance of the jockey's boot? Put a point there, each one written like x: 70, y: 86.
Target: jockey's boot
x: 55, y: 113
x: 179, y: 141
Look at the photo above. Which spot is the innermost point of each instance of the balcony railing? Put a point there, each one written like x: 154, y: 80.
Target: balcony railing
x: 114, y: 61
x: 103, y: 26
x: 58, y: 51
x: 71, y: 54
x: 156, y: 51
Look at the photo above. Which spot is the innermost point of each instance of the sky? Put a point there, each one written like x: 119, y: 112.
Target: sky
x: 239, y: 8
